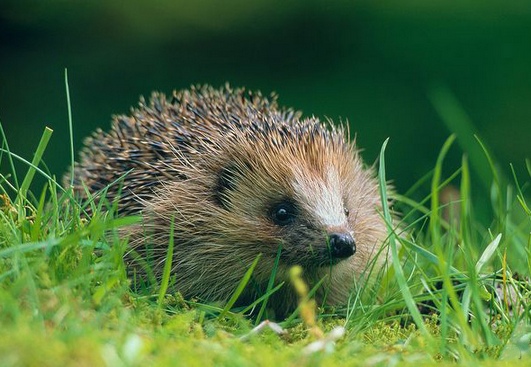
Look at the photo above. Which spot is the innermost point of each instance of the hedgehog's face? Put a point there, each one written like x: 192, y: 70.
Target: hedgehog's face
x: 313, y: 212
x: 314, y: 221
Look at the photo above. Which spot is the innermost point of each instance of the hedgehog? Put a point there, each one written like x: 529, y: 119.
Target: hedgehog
x: 228, y: 176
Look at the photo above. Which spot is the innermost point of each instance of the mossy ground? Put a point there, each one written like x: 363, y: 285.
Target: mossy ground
x: 456, y: 291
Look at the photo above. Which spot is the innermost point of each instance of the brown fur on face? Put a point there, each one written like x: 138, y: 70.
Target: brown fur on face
x: 219, y: 164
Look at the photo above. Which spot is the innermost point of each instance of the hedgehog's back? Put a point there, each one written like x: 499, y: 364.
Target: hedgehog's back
x: 160, y: 137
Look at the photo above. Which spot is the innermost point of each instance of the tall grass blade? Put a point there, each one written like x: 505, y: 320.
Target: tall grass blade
x: 70, y: 128
x: 465, y: 210
x: 21, y: 197
x: 401, y: 279
x: 435, y: 222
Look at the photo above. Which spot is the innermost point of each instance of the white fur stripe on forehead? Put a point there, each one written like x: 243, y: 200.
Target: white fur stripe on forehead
x: 322, y: 196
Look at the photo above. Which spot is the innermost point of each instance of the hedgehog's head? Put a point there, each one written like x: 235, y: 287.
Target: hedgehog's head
x: 303, y: 190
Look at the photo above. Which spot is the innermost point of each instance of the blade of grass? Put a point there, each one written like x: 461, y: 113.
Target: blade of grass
x: 240, y: 288
x: 36, y: 227
x: 520, y: 196
x: 488, y: 253
x: 70, y: 128
x: 21, y: 197
x: 496, y: 185
x: 445, y: 325
x: 466, y: 213
x: 401, y: 280
x: 37, y: 169
x: 435, y: 184
x: 477, y: 289
x: 165, y: 281
x: 464, y: 228
x: 29, y: 246
x: 427, y: 255
x: 262, y: 298
x: 9, y: 156
x: 272, y: 278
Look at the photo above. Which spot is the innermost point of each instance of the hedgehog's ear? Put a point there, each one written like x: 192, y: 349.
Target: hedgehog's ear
x: 226, y: 182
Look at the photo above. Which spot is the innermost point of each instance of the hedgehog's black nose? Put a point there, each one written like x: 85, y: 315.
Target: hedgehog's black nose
x: 342, y: 245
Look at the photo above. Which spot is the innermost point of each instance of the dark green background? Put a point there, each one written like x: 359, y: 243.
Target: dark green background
x: 371, y: 62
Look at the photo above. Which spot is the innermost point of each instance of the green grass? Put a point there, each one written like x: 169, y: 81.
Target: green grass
x: 65, y: 298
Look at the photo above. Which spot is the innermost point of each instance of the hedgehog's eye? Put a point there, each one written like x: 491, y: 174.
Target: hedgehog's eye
x: 283, y: 213
x: 346, y: 211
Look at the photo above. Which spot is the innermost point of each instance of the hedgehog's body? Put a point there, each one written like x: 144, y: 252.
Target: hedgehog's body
x: 239, y: 177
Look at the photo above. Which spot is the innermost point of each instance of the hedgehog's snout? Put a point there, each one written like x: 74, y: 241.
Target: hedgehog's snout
x: 342, y: 245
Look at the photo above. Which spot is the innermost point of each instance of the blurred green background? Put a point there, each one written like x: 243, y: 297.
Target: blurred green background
x: 375, y: 63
